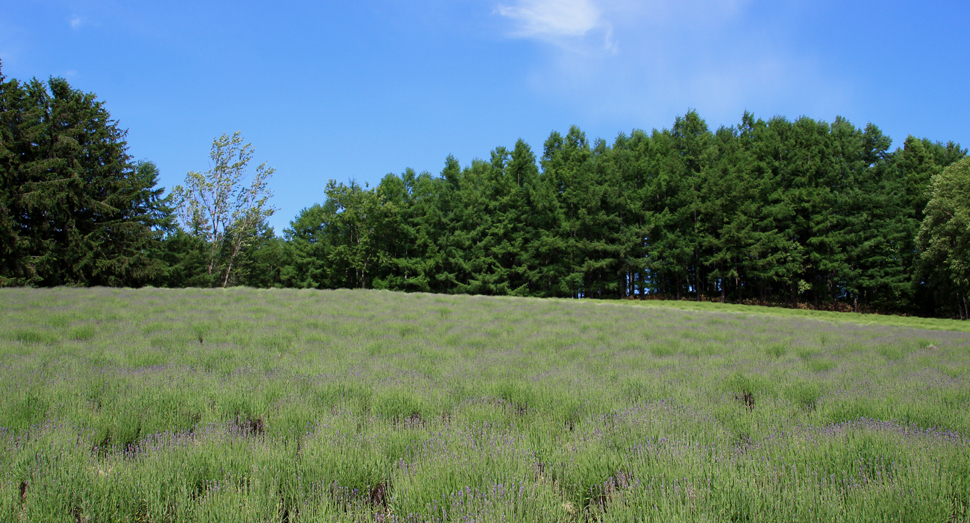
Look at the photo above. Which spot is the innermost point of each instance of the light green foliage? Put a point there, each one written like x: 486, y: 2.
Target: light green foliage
x: 944, y: 237
x: 283, y: 405
x: 218, y: 207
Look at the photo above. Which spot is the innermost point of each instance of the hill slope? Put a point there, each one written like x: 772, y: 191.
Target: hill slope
x: 221, y: 405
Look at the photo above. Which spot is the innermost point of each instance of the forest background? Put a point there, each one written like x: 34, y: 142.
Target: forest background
x: 799, y: 213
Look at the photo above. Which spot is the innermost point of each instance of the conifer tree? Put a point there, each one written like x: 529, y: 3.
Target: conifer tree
x: 75, y: 209
x: 307, y: 251
x: 799, y: 212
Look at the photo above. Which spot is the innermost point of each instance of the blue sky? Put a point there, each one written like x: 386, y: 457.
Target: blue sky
x: 356, y: 89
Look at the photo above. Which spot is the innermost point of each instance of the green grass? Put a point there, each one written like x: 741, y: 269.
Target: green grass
x: 828, y: 316
x: 270, y: 405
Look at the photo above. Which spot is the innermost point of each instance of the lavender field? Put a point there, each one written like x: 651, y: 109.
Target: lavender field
x: 291, y: 406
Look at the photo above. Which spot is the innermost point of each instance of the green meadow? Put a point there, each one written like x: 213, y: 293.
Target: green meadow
x: 290, y: 406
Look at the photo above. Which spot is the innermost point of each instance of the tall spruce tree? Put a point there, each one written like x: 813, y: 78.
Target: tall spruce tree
x: 548, y: 255
x: 630, y: 156
x: 75, y: 209
x: 307, y: 247
x: 261, y: 264
x: 396, y: 239
x: 913, y: 166
x: 692, y: 159
x: 519, y: 174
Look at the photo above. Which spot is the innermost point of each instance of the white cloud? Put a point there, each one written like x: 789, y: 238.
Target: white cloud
x: 557, y: 21
x: 717, y: 56
x: 539, y: 18
x: 77, y: 22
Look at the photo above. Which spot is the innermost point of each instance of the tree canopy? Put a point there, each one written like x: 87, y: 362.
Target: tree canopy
x: 74, y: 208
x: 798, y: 213
x: 944, y: 237
x: 220, y: 209
x: 801, y: 213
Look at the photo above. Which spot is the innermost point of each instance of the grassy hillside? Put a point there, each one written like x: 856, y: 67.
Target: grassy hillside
x: 262, y: 405
x: 887, y: 320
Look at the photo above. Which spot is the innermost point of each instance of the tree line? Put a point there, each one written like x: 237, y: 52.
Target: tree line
x: 793, y: 213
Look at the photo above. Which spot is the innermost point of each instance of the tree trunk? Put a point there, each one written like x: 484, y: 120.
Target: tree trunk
x: 236, y: 247
x: 225, y: 282
x: 698, y: 283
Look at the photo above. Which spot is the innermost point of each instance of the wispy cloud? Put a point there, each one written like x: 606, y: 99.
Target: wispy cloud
x: 77, y: 22
x: 718, y: 56
x: 557, y: 21
x: 539, y: 18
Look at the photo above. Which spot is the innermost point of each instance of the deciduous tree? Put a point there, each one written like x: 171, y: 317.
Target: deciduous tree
x: 944, y: 238
x: 220, y: 207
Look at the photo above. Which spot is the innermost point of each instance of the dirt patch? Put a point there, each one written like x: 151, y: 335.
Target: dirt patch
x: 248, y: 426
x: 746, y: 398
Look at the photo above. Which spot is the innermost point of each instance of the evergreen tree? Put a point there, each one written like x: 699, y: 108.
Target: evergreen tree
x: 519, y: 174
x: 74, y: 209
x: 668, y: 248
x: 630, y: 156
x: 306, y: 251
x: 881, y: 228
x: 185, y: 259
x: 775, y: 256
x: 728, y: 212
x: 492, y: 203
x: 547, y: 256
x: 913, y: 166
x: 692, y: 141
x: 402, y: 269
x: 800, y: 212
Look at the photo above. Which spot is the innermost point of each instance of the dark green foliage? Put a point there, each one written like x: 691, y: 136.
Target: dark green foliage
x: 802, y: 213
x: 184, y: 257
x: 944, y: 237
x: 306, y: 251
x: 74, y: 208
x: 260, y: 264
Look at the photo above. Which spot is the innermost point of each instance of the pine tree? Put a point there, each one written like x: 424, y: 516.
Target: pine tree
x: 630, y: 156
x: 306, y: 251
x: 75, y: 209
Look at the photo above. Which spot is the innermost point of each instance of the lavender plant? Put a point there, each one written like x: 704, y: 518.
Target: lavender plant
x: 271, y: 405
